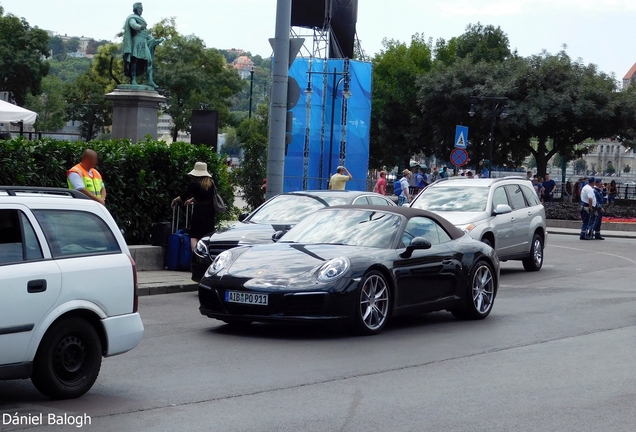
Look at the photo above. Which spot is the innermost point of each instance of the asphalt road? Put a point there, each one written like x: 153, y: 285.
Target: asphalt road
x: 558, y: 353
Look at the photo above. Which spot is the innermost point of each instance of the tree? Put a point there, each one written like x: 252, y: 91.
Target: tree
x: 93, y: 45
x: 627, y: 169
x: 609, y: 169
x: 580, y: 166
x: 71, y: 45
x: 231, y: 146
x: 488, y: 43
x: 252, y: 134
x: 396, y: 121
x: 22, y: 50
x: 88, y: 105
x: 50, y: 105
x: 561, y: 103
x: 195, y: 76
x: 56, y: 45
x: 68, y: 69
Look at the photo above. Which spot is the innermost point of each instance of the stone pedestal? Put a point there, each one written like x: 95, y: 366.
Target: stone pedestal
x: 135, y: 112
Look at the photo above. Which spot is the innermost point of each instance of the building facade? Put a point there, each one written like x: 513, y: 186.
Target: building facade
x: 606, y: 152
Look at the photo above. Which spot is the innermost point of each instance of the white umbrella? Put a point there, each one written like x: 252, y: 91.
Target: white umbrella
x: 10, y: 113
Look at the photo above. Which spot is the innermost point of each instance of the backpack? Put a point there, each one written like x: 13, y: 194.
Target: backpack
x: 397, y: 188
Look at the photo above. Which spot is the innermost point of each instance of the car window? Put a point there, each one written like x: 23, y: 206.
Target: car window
x: 18, y: 241
x: 73, y: 233
x: 361, y: 201
x: 286, y: 209
x: 531, y: 196
x: 335, y: 200
x: 424, y: 227
x: 443, y: 197
x: 375, y: 200
x: 351, y: 227
x: 499, y: 197
x: 515, y: 196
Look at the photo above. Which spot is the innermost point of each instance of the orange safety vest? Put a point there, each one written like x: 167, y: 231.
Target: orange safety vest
x: 92, y: 184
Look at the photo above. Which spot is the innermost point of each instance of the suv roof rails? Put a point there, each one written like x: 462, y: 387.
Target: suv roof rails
x: 50, y: 191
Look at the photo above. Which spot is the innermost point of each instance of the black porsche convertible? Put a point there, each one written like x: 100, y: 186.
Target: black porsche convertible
x: 359, y: 265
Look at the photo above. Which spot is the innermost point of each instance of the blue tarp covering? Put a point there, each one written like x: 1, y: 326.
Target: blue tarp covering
x: 311, y: 146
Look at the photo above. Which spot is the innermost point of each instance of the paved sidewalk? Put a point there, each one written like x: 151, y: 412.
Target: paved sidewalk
x: 164, y: 282
x: 608, y: 233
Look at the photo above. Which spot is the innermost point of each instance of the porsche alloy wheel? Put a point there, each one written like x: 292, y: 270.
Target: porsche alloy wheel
x: 480, y: 294
x: 374, y: 303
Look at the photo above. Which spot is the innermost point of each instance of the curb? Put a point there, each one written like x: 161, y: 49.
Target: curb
x: 605, y: 234
x: 167, y: 289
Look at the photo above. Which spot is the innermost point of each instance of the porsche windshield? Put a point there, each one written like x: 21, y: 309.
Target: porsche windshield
x: 353, y: 227
x: 453, y: 199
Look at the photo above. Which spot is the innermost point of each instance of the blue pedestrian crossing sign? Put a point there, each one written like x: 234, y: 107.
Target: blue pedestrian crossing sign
x: 461, y: 136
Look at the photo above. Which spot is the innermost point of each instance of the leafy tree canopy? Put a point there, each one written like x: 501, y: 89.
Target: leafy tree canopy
x: 50, y: 104
x: 22, y: 49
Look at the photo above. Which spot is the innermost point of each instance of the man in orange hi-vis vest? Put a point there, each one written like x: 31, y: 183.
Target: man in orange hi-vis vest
x: 86, y: 179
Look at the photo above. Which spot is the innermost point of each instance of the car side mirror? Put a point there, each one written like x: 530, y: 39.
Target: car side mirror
x: 418, y: 243
x: 502, y: 209
x: 243, y: 216
x: 277, y: 235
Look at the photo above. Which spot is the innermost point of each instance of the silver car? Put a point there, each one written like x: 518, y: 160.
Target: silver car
x: 504, y: 213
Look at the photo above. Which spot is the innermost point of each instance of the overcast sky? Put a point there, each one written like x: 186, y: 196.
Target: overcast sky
x: 598, y: 31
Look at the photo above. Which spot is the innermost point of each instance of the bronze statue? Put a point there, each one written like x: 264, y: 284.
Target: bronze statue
x: 138, y: 47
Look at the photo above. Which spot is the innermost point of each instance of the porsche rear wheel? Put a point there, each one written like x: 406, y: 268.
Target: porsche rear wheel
x: 374, y: 303
x: 480, y: 294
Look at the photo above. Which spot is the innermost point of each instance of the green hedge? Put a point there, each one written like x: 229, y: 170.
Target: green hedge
x: 141, y: 179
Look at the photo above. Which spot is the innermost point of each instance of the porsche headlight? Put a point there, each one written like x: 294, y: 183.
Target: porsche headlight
x: 201, y: 249
x: 333, y: 269
x: 221, y: 261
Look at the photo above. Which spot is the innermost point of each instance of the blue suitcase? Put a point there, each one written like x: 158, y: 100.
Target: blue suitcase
x: 178, y: 253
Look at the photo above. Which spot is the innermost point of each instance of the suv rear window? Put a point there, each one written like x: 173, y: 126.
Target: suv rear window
x: 75, y: 233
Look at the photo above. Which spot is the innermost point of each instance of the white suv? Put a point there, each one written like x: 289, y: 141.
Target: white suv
x: 68, y: 286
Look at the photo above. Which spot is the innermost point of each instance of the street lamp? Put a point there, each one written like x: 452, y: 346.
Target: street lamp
x: 496, y: 102
x: 251, y: 90
x: 346, y: 94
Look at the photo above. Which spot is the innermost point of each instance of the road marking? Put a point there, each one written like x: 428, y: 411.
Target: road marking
x: 596, y: 253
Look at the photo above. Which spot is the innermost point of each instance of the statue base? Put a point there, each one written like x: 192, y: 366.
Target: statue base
x: 135, y: 111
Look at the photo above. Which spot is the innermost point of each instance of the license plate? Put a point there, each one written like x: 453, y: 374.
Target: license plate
x: 246, y: 298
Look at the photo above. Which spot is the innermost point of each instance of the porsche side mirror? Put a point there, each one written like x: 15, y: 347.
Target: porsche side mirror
x: 243, y: 216
x: 502, y: 209
x: 277, y: 235
x: 418, y: 243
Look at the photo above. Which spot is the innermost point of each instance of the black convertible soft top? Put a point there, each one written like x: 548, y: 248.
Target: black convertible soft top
x: 408, y: 212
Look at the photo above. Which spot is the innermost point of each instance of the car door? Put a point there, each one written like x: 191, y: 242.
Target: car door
x: 502, y: 224
x: 30, y: 281
x: 427, y: 275
x: 520, y: 219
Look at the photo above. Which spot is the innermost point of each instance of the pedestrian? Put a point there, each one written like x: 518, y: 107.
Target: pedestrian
x: 380, y: 185
x: 576, y: 190
x: 588, y: 203
x: 549, y: 186
x: 567, y: 192
x: 339, y: 179
x: 435, y: 175
x: 444, y: 173
x: 264, y: 189
x: 612, y: 192
x: 420, y: 183
x: 86, y: 179
x: 598, y: 191
x: 469, y: 174
x: 529, y: 175
x: 201, y: 191
x: 405, y: 196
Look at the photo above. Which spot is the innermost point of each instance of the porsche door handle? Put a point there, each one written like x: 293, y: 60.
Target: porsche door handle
x: 36, y: 286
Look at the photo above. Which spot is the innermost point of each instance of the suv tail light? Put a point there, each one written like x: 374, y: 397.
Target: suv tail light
x: 136, y: 296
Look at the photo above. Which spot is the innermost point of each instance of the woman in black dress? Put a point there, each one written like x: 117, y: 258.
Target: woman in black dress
x: 201, y: 191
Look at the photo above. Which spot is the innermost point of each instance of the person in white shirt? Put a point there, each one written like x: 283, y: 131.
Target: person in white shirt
x: 405, y: 196
x: 588, y: 203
